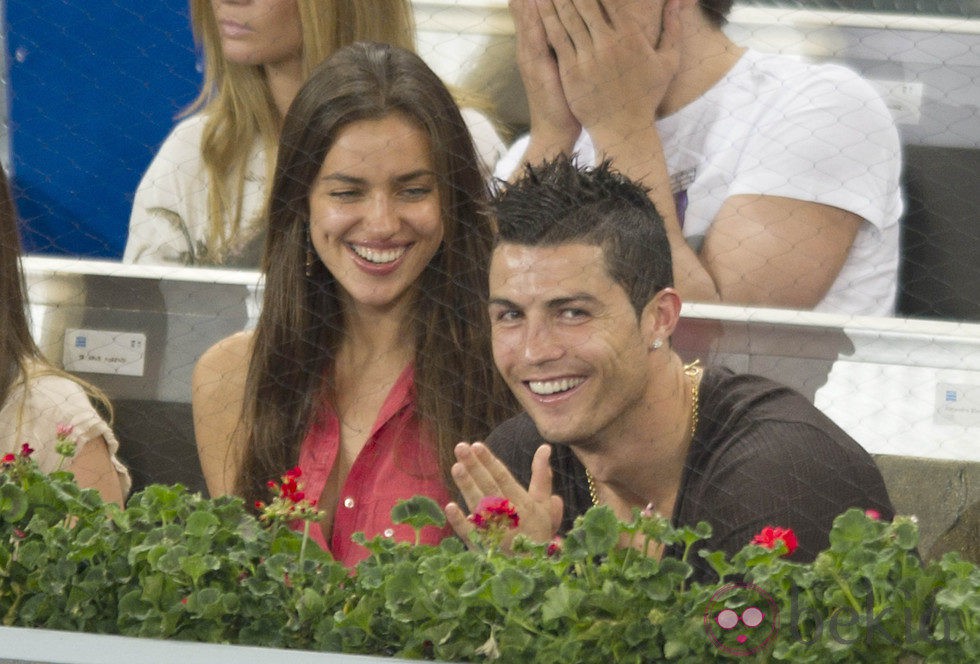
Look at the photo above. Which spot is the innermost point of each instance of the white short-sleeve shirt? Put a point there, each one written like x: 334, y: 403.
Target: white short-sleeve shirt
x: 778, y: 126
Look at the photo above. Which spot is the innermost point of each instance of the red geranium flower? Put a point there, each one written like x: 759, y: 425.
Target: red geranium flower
x: 290, y: 503
x: 872, y: 514
x: 494, y: 510
x: 8, y: 459
x: 769, y: 536
x: 26, y: 450
x: 289, y: 489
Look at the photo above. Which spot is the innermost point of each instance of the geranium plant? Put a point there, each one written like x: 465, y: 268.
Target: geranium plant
x: 176, y: 565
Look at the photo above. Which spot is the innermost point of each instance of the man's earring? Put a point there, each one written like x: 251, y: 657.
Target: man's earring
x: 657, y: 343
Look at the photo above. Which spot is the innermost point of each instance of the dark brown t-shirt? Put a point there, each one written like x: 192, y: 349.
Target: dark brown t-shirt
x: 762, y: 455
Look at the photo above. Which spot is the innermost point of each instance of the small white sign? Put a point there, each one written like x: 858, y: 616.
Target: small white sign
x: 958, y: 403
x: 903, y: 99
x: 104, y: 352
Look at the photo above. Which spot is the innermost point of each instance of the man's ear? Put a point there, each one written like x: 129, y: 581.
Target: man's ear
x: 660, y: 315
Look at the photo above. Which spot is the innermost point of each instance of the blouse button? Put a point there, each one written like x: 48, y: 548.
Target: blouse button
x: 389, y: 532
x: 348, y: 502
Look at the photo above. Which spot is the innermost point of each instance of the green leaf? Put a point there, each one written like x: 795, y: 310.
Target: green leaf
x: 197, y: 565
x: 170, y: 561
x: 906, y: 534
x: 202, y: 524
x: 207, y: 603
x: 561, y: 601
x: 658, y: 588
x: 417, y: 512
x: 510, y: 586
x: 674, y: 649
x: 13, y: 502
x: 851, y: 528
x: 595, y: 533
x: 718, y: 561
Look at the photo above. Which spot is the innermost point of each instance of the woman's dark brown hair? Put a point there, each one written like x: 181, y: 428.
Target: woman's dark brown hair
x: 17, y: 343
x: 18, y: 351
x: 459, y: 395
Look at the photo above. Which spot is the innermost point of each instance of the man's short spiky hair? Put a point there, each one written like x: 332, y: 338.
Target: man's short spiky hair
x: 558, y: 203
x: 717, y: 10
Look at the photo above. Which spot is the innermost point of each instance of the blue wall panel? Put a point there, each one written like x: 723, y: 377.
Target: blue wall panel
x: 94, y: 86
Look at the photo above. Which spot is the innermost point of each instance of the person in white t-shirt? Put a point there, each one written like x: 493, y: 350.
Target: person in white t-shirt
x: 202, y: 201
x: 778, y: 180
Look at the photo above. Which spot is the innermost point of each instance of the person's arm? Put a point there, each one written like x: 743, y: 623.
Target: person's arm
x: 554, y: 128
x: 486, y: 139
x: 760, y: 250
x: 774, y: 251
x: 618, y: 111
x: 93, y: 469
x: 217, y: 399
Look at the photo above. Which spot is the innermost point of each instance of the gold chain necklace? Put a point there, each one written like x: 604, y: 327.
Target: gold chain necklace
x: 692, y: 371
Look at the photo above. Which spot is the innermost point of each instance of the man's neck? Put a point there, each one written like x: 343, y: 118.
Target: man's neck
x: 642, y: 461
x: 707, y: 55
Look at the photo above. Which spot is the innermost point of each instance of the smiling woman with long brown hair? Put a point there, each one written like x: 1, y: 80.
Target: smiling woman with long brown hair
x: 371, y: 358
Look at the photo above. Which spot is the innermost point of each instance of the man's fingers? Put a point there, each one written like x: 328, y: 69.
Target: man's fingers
x: 670, y: 34
x: 557, y: 512
x: 460, y: 524
x: 527, y: 27
x: 540, y: 486
x: 478, y: 473
x: 555, y: 32
x: 500, y: 476
x: 575, y: 23
x: 475, y: 460
x: 471, y: 493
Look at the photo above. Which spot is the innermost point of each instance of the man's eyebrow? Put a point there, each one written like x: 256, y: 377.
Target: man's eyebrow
x: 559, y: 302
x: 502, y: 302
x: 556, y: 303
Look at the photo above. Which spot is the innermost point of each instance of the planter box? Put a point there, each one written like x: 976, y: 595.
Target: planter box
x: 19, y: 645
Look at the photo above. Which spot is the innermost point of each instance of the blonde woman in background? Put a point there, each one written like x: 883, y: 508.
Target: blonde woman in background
x: 36, y: 398
x: 202, y: 201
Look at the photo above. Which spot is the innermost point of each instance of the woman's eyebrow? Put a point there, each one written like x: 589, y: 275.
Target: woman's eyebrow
x: 414, y: 175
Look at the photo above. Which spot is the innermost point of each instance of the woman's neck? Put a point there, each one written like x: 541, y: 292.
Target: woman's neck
x: 373, y: 335
x: 284, y: 79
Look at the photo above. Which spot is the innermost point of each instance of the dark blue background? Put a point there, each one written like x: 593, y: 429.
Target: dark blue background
x: 94, y: 87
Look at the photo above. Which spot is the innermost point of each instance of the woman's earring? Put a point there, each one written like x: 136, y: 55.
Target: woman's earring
x: 309, y: 255
x: 657, y: 343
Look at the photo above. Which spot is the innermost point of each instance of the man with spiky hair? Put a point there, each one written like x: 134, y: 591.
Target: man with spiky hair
x: 582, y: 309
x: 778, y: 180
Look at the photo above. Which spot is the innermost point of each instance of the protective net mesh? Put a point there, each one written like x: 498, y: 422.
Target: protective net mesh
x: 93, y: 90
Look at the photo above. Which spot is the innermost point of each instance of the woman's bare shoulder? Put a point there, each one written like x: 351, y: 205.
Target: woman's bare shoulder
x: 218, y: 395
x: 218, y: 382
x: 226, y: 359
